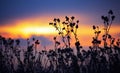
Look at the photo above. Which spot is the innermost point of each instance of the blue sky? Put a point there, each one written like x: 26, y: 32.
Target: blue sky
x: 16, y: 9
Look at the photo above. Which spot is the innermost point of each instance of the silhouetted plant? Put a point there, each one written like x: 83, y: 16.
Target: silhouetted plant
x: 118, y: 42
x: 96, y: 59
x: 96, y: 42
x: 107, y: 25
x: 65, y: 29
x: 57, y: 43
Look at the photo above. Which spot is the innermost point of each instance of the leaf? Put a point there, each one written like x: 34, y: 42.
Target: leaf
x: 37, y: 42
x: 63, y: 22
x: 77, y: 21
x: 102, y: 17
x: 72, y: 17
x: 33, y: 39
x: 80, y: 47
x: 110, y: 12
x: 54, y: 38
x: 63, y: 28
x: 71, y: 24
x: 90, y: 47
x: 95, y: 32
x: 17, y: 41
x: 71, y: 30
x: 58, y: 20
x: 113, y: 17
x: 54, y: 19
x: 99, y: 32
x: 67, y: 19
x: 59, y: 33
x: 99, y: 42
x: 30, y: 48
x: 76, y: 26
x: 113, y: 40
x: 68, y: 37
x: 106, y: 19
x: 68, y: 31
x: 54, y: 24
x: 50, y: 23
x: 77, y: 43
x: 57, y: 42
x: 94, y: 27
x: 109, y: 36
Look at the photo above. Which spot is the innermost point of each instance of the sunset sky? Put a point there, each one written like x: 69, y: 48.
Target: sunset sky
x: 27, y: 18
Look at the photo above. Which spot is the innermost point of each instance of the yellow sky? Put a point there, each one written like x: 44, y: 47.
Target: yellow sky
x: 40, y: 26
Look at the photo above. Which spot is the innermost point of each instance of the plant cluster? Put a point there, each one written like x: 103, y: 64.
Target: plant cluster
x: 106, y: 59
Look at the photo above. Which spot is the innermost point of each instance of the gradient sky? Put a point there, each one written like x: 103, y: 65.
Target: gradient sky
x: 26, y: 15
x: 17, y: 9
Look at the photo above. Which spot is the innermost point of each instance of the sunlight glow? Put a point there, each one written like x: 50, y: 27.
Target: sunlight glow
x: 39, y: 26
x: 28, y: 31
x: 38, y: 30
x: 27, y: 28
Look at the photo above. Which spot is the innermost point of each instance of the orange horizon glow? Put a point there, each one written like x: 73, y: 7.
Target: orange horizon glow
x: 40, y: 27
x: 26, y: 27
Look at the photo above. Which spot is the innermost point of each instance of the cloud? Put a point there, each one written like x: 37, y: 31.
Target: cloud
x: 44, y: 40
